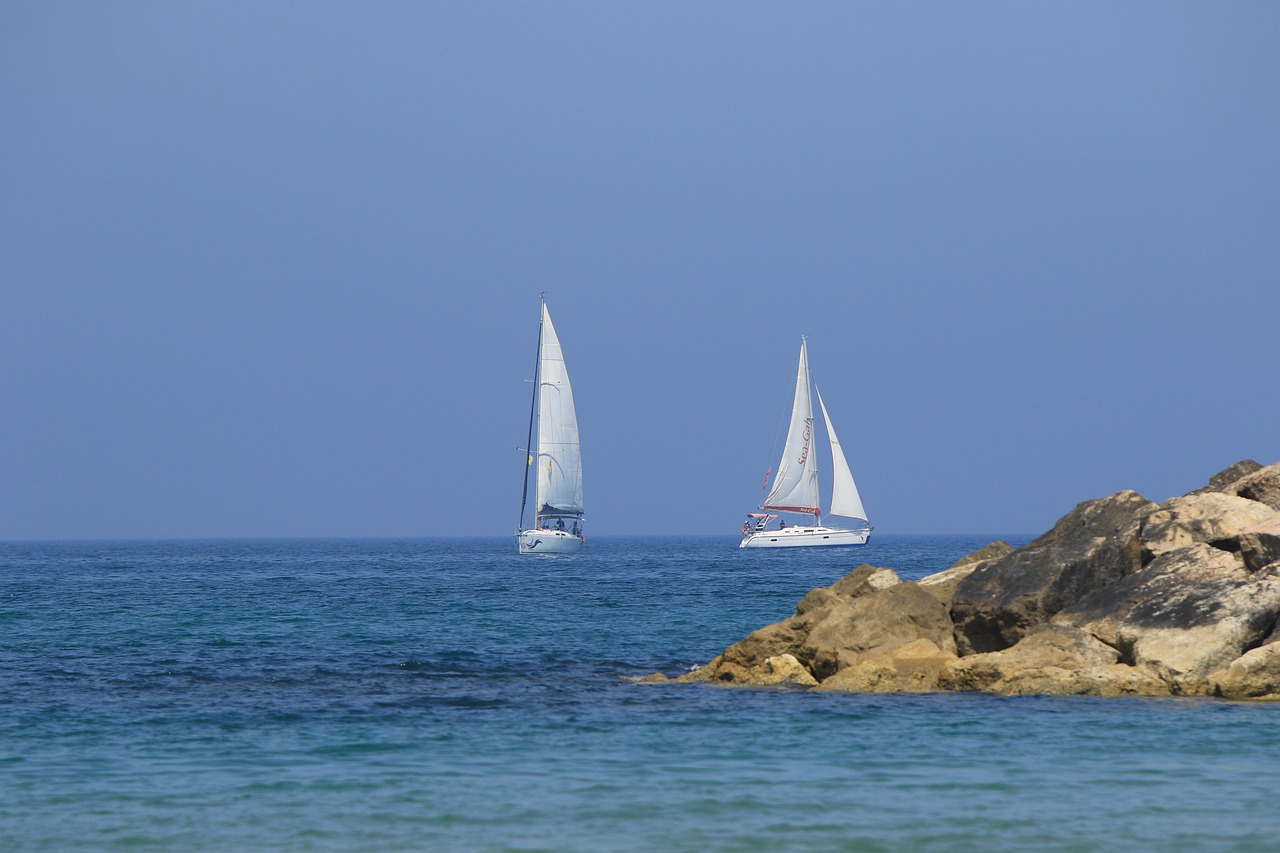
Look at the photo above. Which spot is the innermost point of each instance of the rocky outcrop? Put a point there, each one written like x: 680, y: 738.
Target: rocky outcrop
x: 1191, y: 612
x: 1214, y: 518
x: 1122, y: 597
x: 1053, y: 659
x: 911, y: 668
x: 1093, y: 546
x: 868, y: 612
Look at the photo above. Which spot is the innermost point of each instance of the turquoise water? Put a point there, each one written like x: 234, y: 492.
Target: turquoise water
x: 450, y: 695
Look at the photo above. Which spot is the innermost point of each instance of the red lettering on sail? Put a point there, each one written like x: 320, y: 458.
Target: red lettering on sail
x: 808, y: 427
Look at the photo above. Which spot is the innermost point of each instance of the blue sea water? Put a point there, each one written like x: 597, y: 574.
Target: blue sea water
x: 450, y: 695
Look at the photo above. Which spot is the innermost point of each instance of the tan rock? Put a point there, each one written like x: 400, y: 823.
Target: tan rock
x: 1253, y: 675
x: 1052, y: 659
x: 912, y: 668
x: 1189, y: 613
x: 1209, y: 517
x: 876, y: 623
x: 1104, y: 611
x: 785, y: 669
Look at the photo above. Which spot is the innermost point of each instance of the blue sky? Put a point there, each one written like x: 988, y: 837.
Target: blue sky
x: 273, y: 269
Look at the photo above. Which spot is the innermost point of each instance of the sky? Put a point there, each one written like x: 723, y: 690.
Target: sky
x: 273, y: 269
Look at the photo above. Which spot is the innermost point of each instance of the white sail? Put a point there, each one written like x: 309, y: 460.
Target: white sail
x: 845, y: 500
x: 795, y: 486
x: 559, y: 458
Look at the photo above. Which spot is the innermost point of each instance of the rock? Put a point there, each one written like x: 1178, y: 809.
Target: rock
x: 865, y: 580
x: 868, y: 611
x: 1253, y: 675
x: 1094, y: 545
x: 1262, y: 486
x: 1225, y: 479
x: 785, y: 669
x: 912, y: 668
x: 1191, y: 612
x: 1211, y: 517
x: 942, y: 585
x: 1260, y: 544
x: 740, y: 661
x: 744, y: 661
x: 1052, y: 659
x: 1121, y: 597
x: 878, y: 623
x: 654, y: 678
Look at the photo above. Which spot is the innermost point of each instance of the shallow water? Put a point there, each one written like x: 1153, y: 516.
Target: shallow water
x: 450, y: 695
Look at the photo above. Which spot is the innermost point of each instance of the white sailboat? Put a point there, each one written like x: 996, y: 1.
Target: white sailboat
x: 796, y: 489
x: 556, y: 457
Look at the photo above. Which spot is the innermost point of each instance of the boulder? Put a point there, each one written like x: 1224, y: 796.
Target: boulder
x: 877, y: 623
x: 1189, y: 613
x: 1253, y: 675
x: 1215, y: 518
x: 1052, y: 659
x: 784, y: 669
x: 912, y: 668
x: 744, y: 662
x: 739, y: 663
x: 1260, y: 544
x: 1262, y: 486
x: 942, y: 585
x: 1094, y: 545
x: 1225, y: 480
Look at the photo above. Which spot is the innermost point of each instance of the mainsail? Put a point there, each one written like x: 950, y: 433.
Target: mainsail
x: 845, y: 500
x: 559, y: 459
x: 795, y: 486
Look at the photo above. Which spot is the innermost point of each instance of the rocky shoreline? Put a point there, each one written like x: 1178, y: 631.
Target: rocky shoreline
x: 1122, y: 597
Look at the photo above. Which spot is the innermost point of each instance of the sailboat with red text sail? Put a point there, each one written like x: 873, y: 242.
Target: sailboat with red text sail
x: 796, y: 487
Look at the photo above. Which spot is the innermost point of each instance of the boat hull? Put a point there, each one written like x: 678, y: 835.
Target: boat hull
x: 805, y: 537
x: 542, y: 541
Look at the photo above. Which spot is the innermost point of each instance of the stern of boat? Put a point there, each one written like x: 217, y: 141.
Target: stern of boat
x: 542, y: 541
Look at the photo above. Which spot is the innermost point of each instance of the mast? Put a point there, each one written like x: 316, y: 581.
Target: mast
x: 531, y: 452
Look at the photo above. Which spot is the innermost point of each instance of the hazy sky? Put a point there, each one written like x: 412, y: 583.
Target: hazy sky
x: 272, y: 269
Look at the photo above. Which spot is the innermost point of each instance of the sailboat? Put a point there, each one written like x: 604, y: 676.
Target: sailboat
x: 795, y: 485
x: 555, y: 458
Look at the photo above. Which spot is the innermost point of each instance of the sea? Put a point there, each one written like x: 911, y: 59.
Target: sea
x: 450, y: 695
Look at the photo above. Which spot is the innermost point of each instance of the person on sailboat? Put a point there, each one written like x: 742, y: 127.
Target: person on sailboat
x: 782, y: 524
x: 559, y: 524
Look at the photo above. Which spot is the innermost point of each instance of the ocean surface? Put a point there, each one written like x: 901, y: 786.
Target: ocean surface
x: 450, y: 695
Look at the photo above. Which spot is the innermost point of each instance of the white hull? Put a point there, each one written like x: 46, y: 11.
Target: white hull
x: 542, y: 541
x: 805, y: 537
